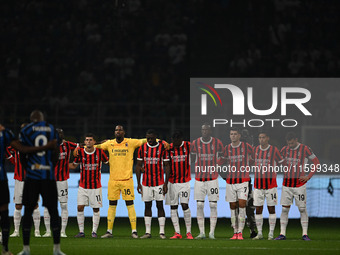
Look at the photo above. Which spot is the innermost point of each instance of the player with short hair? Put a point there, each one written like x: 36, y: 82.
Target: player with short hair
x: 296, y: 156
x: 19, y: 176
x: 40, y: 177
x: 238, y: 154
x: 179, y: 183
x: 153, y: 155
x: 266, y: 158
x: 62, y: 174
x: 121, y: 151
x: 205, y: 151
x: 90, y: 189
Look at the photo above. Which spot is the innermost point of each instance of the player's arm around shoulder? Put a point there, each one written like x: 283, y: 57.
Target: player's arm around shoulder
x: 136, y: 143
x: 104, y: 145
x: 140, y: 161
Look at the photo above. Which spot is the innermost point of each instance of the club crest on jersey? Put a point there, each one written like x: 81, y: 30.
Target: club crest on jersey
x: 126, y: 145
x: 212, y: 147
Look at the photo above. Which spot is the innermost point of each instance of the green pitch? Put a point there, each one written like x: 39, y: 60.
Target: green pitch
x: 325, y: 235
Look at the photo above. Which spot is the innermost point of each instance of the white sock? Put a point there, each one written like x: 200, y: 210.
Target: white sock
x: 200, y: 216
x: 259, y: 223
x: 147, y: 221
x: 233, y: 220
x: 187, y: 219
x: 241, y: 219
x: 284, y: 220
x: 64, y: 216
x: 174, y: 219
x: 80, y: 220
x: 272, y: 223
x: 304, y: 220
x: 161, y: 221
x: 47, y: 220
x: 36, y: 219
x: 213, y: 216
x: 95, y: 221
x: 17, y: 220
x: 26, y: 248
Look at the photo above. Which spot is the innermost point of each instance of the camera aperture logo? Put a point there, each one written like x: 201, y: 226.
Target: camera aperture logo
x: 281, y: 97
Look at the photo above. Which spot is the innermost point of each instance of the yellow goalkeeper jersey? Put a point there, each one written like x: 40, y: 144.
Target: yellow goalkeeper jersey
x: 121, y: 157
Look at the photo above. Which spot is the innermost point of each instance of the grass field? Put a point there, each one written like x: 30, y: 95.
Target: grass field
x: 325, y: 235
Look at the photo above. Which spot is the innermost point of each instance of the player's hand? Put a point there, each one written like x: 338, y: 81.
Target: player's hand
x: 166, y: 145
x: 2, y: 128
x: 139, y: 189
x: 165, y: 188
x: 142, y: 169
x: 76, y: 152
x: 303, y: 179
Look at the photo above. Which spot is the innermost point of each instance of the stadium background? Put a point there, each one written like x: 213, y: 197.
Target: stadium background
x: 90, y: 65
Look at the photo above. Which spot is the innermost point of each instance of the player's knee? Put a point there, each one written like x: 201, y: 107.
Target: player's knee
x: 259, y: 209
x: 242, y: 203
x: 18, y: 206
x: 233, y: 205
x: 128, y: 202
x: 63, y: 206
x: 174, y: 207
x: 185, y: 207
x: 95, y: 210
x: 148, y: 205
x: 80, y: 208
x: 285, y: 209
x: 159, y: 205
x: 213, y: 205
x: 200, y: 205
x: 113, y: 202
x: 302, y: 209
x: 271, y: 209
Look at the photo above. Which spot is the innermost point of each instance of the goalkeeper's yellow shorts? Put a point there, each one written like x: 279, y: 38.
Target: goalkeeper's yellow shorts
x: 125, y: 187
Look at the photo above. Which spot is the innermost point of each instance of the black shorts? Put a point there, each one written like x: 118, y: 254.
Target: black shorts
x: 47, y: 189
x: 4, y: 193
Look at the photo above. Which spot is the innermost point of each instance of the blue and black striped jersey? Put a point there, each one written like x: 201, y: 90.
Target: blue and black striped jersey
x: 6, y: 137
x: 39, y: 165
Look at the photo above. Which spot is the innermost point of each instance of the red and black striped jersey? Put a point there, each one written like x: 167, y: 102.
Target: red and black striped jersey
x: 179, y: 160
x: 153, y: 157
x: 238, y: 158
x: 90, y: 167
x: 62, y: 170
x: 295, y: 160
x: 206, y: 155
x: 14, y: 157
x: 265, y: 162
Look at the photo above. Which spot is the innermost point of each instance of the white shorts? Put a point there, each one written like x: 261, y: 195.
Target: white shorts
x: 18, y: 190
x: 62, y: 187
x: 152, y: 193
x: 237, y: 191
x: 176, y: 192
x: 269, y: 194
x: 210, y: 188
x: 91, y: 197
x: 300, y: 195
